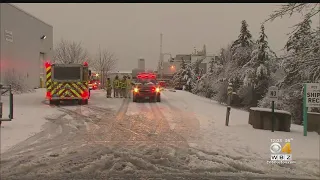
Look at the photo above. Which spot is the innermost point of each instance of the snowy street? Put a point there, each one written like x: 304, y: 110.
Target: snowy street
x: 183, y: 136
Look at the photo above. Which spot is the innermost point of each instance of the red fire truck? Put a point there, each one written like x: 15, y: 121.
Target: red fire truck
x: 94, y: 82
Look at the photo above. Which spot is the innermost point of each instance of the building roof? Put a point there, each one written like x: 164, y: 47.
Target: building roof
x: 120, y: 72
x: 186, y: 57
x: 10, y: 4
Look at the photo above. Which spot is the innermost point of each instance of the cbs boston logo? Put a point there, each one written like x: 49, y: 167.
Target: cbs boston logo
x: 280, y: 155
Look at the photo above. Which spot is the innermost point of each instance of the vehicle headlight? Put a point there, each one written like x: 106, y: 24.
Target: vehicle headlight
x: 157, y: 89
x: 136, y: 90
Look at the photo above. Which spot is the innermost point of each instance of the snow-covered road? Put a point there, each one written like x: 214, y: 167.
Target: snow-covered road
x: 183, y: 136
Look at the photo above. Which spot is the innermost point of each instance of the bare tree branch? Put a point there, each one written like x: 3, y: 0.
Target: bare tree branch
x: 292, y: 8
x: 104, y: 62
x: 70, y: 52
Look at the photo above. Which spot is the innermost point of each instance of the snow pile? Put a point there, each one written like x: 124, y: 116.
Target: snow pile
x: 242, y: 143
x: 269, y: 110
x: 29, y: 116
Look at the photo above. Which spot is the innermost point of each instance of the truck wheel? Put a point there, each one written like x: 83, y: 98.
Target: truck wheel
x: 52, y: 102
x: 154, y: 99
x: 80, y: 101
x: 158, y: 98
x: 86, y: 102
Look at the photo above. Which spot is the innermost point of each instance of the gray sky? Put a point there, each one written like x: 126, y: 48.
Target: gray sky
x: 133, y: 30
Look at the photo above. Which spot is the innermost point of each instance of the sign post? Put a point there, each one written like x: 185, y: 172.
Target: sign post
x: 311, y: 98
x: 229, y: 91
x: 273, y: 95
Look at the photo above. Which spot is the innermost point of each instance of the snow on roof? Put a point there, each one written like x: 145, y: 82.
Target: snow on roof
x: 269, y: 110
x: 314, y: 113
x: 120, y: 72
x: 186, y: 57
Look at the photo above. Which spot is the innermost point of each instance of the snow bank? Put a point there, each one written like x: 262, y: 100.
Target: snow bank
x: 29, y: 116
x: 314, y: 113
x: 241, y: 142
x: 269, y: 110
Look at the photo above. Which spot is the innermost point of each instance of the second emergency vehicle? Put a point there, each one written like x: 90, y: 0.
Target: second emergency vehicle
x: 94, y: 82
x: 146, y: 88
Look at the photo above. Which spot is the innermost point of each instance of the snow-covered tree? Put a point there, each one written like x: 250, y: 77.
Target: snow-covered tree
x: 300, y: 47
x: 257, y: 70
x: 310, y: 9
x: 297, y: 41
x: 211, y: 63
x: 178, y: 78
x: 244, y: 39
x: 302, y: 59
x: 242, y: 47
x: 195, y: 75
x: 189, y: 78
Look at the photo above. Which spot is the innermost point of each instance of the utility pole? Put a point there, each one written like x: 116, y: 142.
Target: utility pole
x: 161, y: 58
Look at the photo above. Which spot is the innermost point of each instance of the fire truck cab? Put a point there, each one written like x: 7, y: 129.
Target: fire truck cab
x: 146, y: 88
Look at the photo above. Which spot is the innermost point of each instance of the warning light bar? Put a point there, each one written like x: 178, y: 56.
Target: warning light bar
x: 47, y: 64
x: 146, y: 76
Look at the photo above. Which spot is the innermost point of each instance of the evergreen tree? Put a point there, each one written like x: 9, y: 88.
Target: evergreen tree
x: 302, y: 59
x: 183, y: 64
x: 179, y: 77
x: 242, y: 47
x: 295, y: 41
x: 211, y: 64
x: 189, y: 77
x: 297, y: 45
x: 257, y: 70
x: 244, y: 38
x: 289, y: 9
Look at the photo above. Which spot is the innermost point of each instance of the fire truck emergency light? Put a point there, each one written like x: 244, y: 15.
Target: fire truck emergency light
x: 47, y: 64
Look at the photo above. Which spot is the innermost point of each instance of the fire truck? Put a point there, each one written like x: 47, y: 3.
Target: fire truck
x: 146, y: 87
x: 94, y: 82
x: 67, y: 82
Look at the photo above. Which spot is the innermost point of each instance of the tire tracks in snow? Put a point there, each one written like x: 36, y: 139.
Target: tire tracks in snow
x: 189, y: 127
x: 162, y: 128
x: 163, y: 154
x: 186, y: 123
x: 34, y: 153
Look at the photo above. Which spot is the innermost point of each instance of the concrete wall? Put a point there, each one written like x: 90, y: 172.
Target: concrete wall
x: 21, y: 45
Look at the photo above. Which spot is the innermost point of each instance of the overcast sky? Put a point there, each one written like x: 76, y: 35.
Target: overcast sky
x: 133, y: 30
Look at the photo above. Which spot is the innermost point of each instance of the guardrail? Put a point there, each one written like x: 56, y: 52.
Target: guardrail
x: 7, y: 89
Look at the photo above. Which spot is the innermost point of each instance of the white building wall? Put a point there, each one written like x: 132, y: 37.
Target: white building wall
x: 22, y: 51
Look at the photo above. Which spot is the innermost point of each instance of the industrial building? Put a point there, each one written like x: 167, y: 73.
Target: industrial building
x: 120, y: 74
x: 26, y: 43
x: 141, y: 64
x: 170, y: 67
